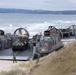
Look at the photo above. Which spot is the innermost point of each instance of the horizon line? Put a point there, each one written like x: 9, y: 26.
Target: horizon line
x: 40, y: 9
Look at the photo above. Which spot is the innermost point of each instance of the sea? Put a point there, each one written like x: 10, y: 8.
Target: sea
x: 34, y: 23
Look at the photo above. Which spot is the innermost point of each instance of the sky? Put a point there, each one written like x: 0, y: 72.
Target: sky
x: 39, y: 4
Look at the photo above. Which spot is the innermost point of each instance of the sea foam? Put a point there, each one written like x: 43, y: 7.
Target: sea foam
x: 36, y: 28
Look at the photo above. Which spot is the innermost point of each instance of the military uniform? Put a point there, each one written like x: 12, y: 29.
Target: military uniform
x: 14, y: 59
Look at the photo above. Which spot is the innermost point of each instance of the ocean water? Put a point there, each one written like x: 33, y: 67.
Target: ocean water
x: 34, y: 23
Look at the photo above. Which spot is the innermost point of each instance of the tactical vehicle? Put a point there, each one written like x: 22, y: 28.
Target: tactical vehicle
x: 22, y: 42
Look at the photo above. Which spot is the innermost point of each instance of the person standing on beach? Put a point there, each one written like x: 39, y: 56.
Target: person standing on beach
x: 14, y: 59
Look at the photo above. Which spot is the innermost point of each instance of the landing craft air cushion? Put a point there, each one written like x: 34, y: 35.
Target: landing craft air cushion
x: 20, y: 39
x: 67, y: 32
x: 51, y: 41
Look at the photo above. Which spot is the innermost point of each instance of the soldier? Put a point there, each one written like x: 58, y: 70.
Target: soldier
x: 38, y: 56
x: 14, y: 59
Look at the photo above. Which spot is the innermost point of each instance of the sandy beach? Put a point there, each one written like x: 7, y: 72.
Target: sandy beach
x: 8, y: 65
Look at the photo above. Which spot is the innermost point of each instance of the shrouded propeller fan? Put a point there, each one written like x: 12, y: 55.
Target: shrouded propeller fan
x: 21, y: 32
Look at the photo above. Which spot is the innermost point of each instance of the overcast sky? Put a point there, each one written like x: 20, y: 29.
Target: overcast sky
x: 39, y: 4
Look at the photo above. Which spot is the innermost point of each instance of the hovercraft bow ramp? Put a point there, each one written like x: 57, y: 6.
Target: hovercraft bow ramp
x: 7, y: 54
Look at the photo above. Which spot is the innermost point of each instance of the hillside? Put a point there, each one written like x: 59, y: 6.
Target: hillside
x: 62, y: 62
x: 27, y: 11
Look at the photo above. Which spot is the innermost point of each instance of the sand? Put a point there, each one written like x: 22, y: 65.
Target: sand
x: 8, y: 65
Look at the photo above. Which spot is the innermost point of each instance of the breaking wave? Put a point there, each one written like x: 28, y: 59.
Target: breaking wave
x: 34, y: 28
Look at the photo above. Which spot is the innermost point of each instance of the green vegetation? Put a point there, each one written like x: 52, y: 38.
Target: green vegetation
x: 28, y: 64
x: 62, y: 62
x: 13, y: 72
